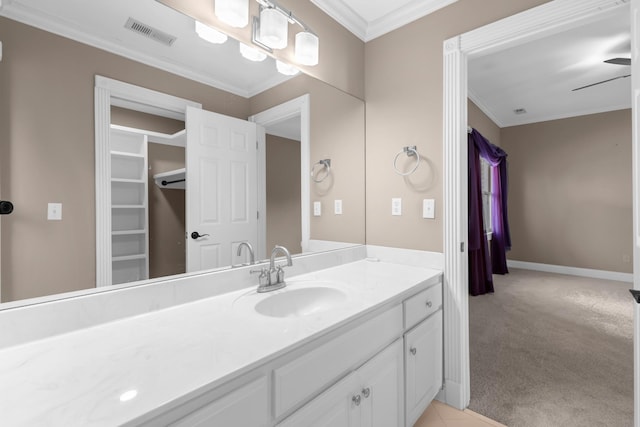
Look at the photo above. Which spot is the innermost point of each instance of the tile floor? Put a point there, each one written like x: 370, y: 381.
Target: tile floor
x: 440, y: 415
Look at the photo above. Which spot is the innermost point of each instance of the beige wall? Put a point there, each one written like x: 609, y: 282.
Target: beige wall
x: 570, y: 196
x: 167, y: 252
x: 47, y: 152
x: 338, y: 133
x: 403, y: 90
x: 483, y: 124
x: 284, y: 225
x: 341, y: 53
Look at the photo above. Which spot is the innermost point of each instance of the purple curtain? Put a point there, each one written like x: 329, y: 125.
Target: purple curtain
x: 481, y: 265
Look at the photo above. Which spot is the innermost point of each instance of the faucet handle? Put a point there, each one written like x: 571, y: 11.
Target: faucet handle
x: 279, y: 274
x: 264, y: 278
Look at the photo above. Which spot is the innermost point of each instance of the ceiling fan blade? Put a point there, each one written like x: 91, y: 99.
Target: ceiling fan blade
x: 599, y: 83
x: 619, y: 61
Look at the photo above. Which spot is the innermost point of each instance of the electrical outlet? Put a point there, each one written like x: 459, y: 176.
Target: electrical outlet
x: 317, y: 209
x: 337, y: 207
x: 396, y: 206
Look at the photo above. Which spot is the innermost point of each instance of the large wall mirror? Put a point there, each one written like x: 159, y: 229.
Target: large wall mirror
x: 51, y: 57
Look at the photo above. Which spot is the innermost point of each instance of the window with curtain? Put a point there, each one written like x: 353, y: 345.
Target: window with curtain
x: 485, y: 179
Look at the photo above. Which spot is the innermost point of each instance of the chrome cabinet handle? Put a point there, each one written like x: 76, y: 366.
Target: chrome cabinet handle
x: 356, y: 400
x: 413, y: 350
x: 429, y: 304
x: 366, y: 392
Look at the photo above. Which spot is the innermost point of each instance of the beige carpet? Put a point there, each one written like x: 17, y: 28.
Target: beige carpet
x: 551, y: 350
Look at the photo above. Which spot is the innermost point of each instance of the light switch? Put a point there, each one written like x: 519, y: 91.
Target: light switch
x: 396, y: 206
x: 429, y: 208
x: 317, y: 209
x: 54, y: 212
x: 337, y: 207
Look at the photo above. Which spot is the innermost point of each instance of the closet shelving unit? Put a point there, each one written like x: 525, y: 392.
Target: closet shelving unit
x: 129, y: 206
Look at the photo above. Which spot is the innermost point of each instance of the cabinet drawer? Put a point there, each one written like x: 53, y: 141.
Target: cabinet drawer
x: 300, y: 379
x: 422, y: 305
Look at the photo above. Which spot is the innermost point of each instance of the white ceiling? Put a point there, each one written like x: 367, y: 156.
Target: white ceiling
x: 539, y: 76
x: 369, y: 19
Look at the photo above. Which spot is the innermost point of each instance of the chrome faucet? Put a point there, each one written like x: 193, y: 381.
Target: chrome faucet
x: 252, y: 258
x: 272, y: 278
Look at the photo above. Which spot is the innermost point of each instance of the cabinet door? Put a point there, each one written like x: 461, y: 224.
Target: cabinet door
x: 381, y: 389
x: 333, y: 408
x: 423, y: 361
x: 246, y: 406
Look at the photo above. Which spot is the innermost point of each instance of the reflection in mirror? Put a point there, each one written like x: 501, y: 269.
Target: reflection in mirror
x: 47, y: 138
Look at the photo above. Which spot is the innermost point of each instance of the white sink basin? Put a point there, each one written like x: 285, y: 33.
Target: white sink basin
x: 300, y: 302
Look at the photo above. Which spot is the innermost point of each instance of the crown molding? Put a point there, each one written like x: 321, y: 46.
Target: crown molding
x: 340, y: 11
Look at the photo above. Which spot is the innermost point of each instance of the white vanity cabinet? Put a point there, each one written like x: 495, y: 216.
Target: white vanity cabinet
x: 371, y: 396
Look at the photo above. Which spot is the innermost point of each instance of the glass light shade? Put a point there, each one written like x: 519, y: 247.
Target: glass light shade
x: 307, y: 46
x: 286, y: 69
x: 209, y: 34
x: 251, y: 53
x: 274, y: 28
x: 233, y: 12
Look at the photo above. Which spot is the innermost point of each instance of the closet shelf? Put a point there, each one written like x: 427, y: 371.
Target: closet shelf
x: 128, y: 206
x: 172, y: 179
x: 127, y: 232
x: 128, y: 257
x: 124, y: 154
x: 128, y: 181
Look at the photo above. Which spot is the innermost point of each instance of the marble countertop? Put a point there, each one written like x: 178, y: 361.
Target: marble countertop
x: 78, y: 378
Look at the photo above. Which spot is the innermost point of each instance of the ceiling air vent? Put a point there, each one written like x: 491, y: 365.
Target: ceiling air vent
x: 150, y: 32
x: 520, y: 111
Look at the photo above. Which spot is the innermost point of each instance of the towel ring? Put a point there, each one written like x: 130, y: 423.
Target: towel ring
x: 325, y: 164
x: 411, y: 151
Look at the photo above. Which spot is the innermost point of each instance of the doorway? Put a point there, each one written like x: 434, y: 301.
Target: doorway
x: 550, y: 17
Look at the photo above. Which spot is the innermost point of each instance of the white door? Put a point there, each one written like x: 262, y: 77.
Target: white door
x: 222, y: 189
x: 635, y: 105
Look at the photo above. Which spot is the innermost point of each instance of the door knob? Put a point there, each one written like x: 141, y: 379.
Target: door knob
x: 195, y: 235
x: 356, y: 400
x: 413, y: 350
x: 6, y: 207
x: 366, y: 392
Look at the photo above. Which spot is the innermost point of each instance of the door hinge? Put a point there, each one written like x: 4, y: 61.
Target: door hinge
x: 258, y: 215
x: 256, y: 145
x: 461, y: 246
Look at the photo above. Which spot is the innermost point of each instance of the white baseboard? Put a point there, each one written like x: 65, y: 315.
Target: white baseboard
x: 572, y: 271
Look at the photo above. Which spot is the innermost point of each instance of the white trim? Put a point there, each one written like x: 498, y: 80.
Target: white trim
x: 138, y: 98
x: 484, y: 108
x: 572, y: 271
x: 559, y: 116
x: 367, y: 31
x: 528, y: 25
x: 635, y: 140
x: 299, y: 106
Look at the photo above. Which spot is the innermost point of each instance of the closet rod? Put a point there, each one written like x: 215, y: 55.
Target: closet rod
x: 173, y: 182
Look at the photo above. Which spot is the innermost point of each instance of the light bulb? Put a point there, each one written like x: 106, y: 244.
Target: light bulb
x: 306, y: 50
x: 286, y: 69
x: 209, y: 34
x: 233, y: 12
x: 274, y: 28
x: 251, y: 53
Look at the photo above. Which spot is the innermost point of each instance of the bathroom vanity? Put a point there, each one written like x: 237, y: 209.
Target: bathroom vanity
x: 358, y: 344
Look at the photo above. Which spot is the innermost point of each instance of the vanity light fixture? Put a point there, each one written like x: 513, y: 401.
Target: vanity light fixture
x: 209, y: 34
x: 251, y: 53
x: 271, y: 31
x: 233, y: 12
x: 306, y: 50
x: 286, y: 69
x: 274, y: 28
